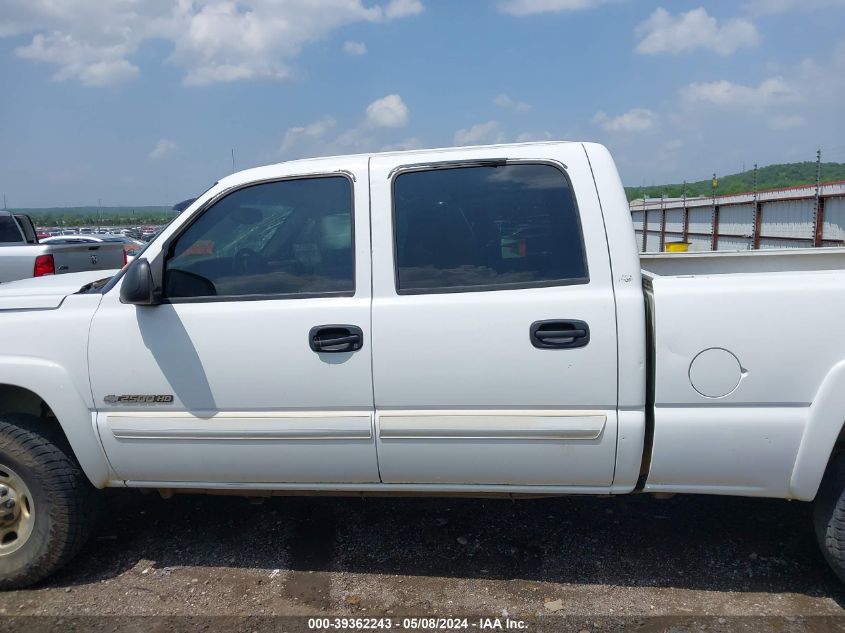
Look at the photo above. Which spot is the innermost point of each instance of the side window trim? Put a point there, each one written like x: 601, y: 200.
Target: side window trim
x: 259, y: 297
x: 424, y: 167
x: 169, y: 244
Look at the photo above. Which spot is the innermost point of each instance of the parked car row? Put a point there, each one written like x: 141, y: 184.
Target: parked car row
x: 142, y: 233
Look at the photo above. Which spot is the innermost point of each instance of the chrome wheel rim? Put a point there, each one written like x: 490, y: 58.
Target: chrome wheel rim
x: 17, y: 511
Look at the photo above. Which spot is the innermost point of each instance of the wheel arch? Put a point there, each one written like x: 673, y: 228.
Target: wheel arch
x: 825, y: 430
x: 44, y: 389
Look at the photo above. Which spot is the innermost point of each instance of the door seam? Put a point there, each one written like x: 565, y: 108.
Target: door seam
x: 373, y: 415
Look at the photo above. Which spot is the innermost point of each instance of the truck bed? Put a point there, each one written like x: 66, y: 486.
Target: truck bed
x: 18, y: 261
x: 740, y: 343
x: 728, y: 262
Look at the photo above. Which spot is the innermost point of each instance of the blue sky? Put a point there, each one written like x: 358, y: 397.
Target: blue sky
x: 141, y: 101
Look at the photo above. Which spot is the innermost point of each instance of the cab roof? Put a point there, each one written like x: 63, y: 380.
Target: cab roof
x: 249, y: 174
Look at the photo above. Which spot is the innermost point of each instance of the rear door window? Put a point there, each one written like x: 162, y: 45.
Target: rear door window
x: 486, y: 227
x: 9, y: 231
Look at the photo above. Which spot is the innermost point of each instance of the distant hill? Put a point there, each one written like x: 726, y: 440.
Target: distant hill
x: 770, y: 177
x: 74, y: 216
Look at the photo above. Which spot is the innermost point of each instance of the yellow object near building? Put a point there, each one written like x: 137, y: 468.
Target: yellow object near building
x: 677, y: 247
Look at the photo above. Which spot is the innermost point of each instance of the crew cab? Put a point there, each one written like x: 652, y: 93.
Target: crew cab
x: 22, y: 255
x: 453, y: 321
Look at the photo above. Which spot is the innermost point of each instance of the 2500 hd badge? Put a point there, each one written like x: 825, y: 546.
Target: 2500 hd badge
x: 152, y: 398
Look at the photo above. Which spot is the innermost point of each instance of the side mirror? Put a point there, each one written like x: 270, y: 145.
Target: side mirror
x: 138, y: 287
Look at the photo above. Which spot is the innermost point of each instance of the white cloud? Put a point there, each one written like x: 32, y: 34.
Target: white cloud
x: 665, y: 33
x: 479, y: 134
x: 357, y: 139
x: 162, y: 148
x: 317, y: 130
x: 772, y: 91
x: 532, y: 7
x: 716, y: 126
x: 321, y: 137
x: 89, y: 64
x: 402, y: 8
x: 636, y: 120
x: 354, y: 48
x: 213, y: 41
x: 824, y: 81
x: 509, y: 103
x: 389, y: 111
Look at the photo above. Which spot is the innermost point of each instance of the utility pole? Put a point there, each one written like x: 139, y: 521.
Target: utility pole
x: 758, y: 218
x: 233, y: 160
x: 818, y: 207
x: 714, y: 184
x: 714, y: 241
x: 755, y: 182
x: 4, y: 202
x: 645, y: 225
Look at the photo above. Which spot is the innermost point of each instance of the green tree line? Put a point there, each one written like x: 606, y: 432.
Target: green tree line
x: 769, y: 177
x: 103, y: 216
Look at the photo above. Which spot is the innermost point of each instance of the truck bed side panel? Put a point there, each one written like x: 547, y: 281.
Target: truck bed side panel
x: 739, y: 361
x: 18, y: 262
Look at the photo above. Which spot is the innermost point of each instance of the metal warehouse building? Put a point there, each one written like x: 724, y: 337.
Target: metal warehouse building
x: 796, y: 217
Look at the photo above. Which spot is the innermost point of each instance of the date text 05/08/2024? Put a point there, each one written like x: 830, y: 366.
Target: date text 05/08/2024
x: 423, y: 623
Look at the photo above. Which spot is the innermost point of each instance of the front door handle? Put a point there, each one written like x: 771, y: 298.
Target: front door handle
x: 559, y: 334
x: 335, y: 338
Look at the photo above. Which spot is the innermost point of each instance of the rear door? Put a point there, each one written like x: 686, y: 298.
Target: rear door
x: 494, y: 327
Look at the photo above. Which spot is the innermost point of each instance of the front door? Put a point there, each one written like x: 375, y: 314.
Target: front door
x: 494, y: 328
x: 256, y: 368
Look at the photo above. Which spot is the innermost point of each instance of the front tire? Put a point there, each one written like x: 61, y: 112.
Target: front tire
x: 47, y: 504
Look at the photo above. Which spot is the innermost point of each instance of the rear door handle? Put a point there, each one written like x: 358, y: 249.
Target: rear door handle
x: 335, y: 338
x: 559, y: 334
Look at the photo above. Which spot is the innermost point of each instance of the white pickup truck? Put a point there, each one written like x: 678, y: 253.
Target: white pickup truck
x: 454, y: 321
x: 22, y: 256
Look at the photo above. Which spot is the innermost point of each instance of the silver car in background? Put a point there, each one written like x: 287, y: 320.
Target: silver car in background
x: 23, y: 256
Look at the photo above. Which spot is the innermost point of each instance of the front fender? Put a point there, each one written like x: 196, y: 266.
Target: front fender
x: 827, y: 413
x: 53, y: 384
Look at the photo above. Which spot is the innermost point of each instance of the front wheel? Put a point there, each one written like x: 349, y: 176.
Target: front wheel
x: 46, y: 504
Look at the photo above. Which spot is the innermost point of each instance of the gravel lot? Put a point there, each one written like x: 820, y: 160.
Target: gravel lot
x: 604, y: 560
